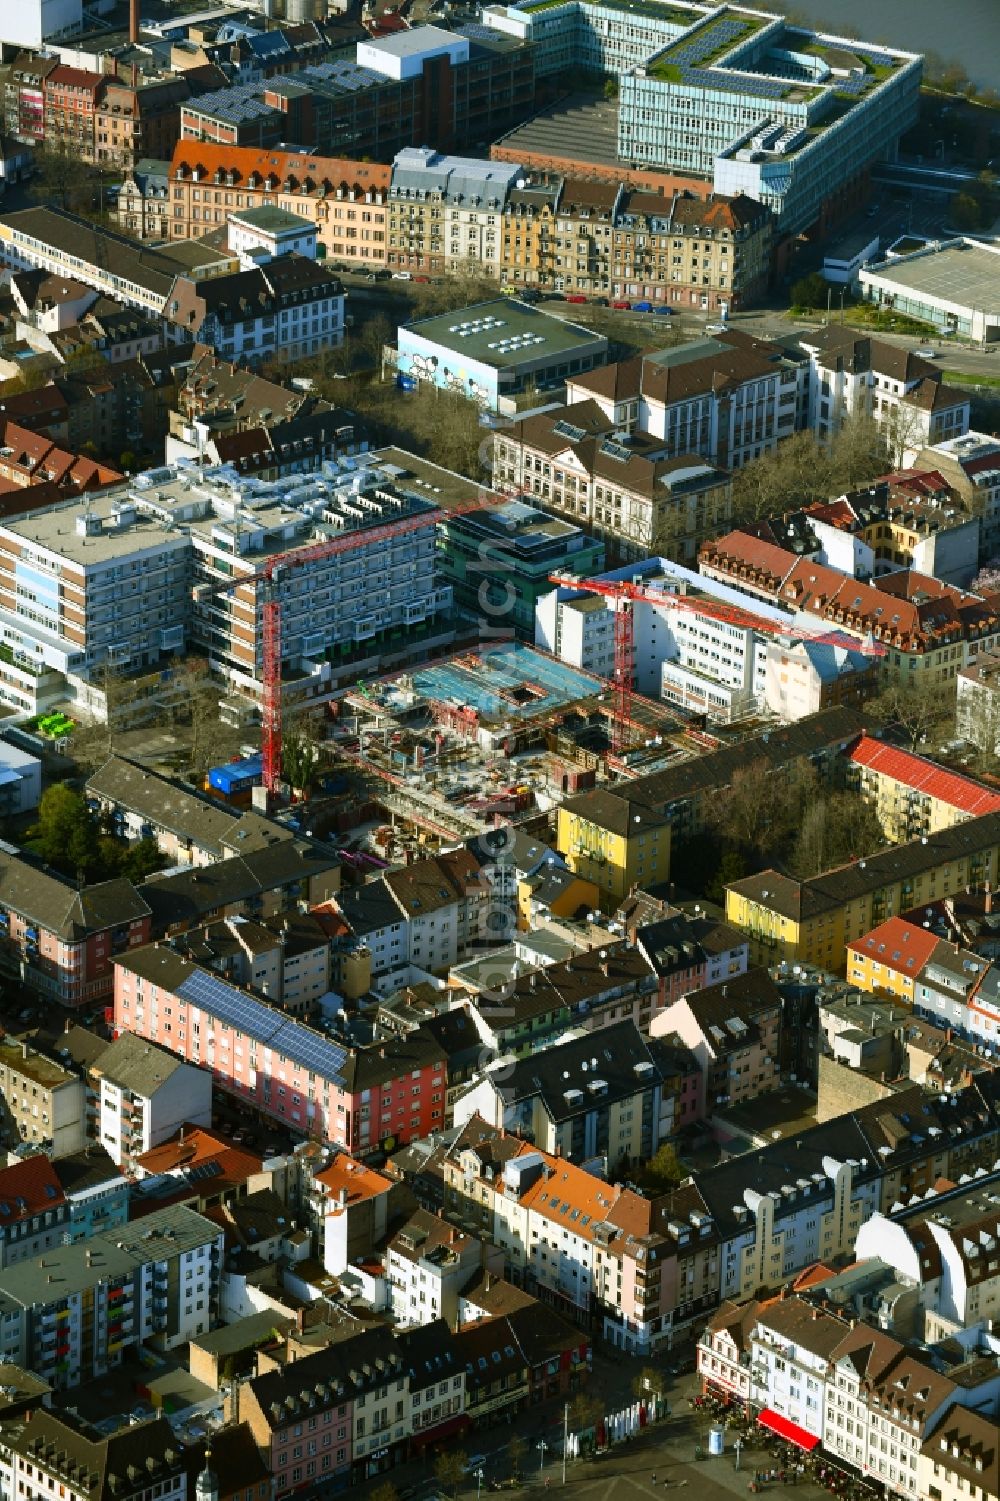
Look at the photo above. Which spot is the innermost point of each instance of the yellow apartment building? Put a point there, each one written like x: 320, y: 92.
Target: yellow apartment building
x: 912, y: 796
x: 613, y: 842
x: 813, y: 921
x: 889, y: 959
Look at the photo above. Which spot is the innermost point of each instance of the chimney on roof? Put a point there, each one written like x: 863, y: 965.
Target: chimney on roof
x: 133, y: 21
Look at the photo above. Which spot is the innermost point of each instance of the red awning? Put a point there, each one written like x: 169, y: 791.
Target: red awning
x: 444, y: 1430
x: 785, y: 1428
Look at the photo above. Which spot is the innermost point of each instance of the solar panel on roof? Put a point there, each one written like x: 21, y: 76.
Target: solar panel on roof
x: 258, y: 1020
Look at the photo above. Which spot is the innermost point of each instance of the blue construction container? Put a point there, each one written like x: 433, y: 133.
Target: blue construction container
x: 236, y: 776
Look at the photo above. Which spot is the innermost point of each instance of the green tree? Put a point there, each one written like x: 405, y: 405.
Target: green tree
x: 141, y: 860
x: 810, y: 291
x: 732, y: 867
x: 127, y: 461
x: 62, y: 813
x: 610, y: 90
x: 369, y: 340
x: 836, y: 828
x: 449, y: 1469
x: 665, y: 1168
x: 61, y: 177
x: 299, y: 758
x: 966, y: 212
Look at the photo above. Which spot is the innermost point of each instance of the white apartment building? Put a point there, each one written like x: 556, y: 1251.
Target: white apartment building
x: 259, y: 234
x: 790, y: 1349
x: 427, y: 914
x: 143, y: 1094
x: 446, y: 212
x: 683, y: 654
x: 71, y: 1314
x: 854, y: 374
x: 726, y: 397
x: 92, y: 584
x: 285, y: 309
x: 106, y: 582
x: 427, y: 1263
x: 56, y: 1455
x: 782, y: 1226
x: 950, y: 1251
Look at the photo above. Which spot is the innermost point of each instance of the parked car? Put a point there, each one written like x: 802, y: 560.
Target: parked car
x: 530, y: 294
x: 422, y: 278
x: 715, y: 328
x: 662, y: 311
x: 402, y: 276
x: 576, y: 298
x: 599, y: 301
x: 926, y: 354
x: 380, y: 275
x: 621, y: 305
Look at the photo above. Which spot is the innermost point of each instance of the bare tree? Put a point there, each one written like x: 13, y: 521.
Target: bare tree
x: 836, y: 828
x: 917, y: 710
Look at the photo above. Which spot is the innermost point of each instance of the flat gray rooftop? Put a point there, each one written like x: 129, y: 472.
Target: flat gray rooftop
x: 583, y: 127
x: 505, y: 333
x: 961, y: 274
x: 271, y: 219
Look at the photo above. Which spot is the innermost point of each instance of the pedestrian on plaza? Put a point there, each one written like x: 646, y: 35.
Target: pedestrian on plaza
x: 654, y: 1477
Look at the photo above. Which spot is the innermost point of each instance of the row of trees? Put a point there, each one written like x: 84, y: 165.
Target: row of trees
x: 804, y: 469
x: 71, y: 838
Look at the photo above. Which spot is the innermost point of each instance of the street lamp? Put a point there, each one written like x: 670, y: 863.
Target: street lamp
x: 738, y: 1446
x: 479, y: 1482
x: 542, y: 1446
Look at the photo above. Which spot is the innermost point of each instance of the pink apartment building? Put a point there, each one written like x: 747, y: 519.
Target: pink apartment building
x: 64, y: 941
x: 361, y: 1098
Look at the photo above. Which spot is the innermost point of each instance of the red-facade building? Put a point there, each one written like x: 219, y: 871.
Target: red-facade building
x: 361, y: 1098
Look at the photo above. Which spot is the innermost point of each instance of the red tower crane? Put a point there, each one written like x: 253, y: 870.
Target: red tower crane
x: 268, y: 578
x: 627, y: 594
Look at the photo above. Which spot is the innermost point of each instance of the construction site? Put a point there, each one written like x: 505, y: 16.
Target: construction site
x: 504, y: 734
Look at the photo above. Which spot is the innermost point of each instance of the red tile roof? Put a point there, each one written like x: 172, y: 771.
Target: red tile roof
x: 28, y: 1188
x: 192, y: 1146
x: 924, y: 776
x: 897, y: 944
x: 910, y: 610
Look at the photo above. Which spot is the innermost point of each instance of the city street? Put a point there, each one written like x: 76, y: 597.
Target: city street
x: 666, y: 1451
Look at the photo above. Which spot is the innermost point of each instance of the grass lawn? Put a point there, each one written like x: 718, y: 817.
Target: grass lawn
x: 963, y: 378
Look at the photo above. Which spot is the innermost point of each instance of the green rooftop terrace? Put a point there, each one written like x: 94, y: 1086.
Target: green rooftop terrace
x: 663, y: 10
x: 700, y: 46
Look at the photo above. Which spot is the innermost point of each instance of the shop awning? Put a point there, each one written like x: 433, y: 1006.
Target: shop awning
x: 444, y: 1430
x: 786, y: 1429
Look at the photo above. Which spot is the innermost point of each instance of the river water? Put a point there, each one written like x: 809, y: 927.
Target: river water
x: 963, y: 31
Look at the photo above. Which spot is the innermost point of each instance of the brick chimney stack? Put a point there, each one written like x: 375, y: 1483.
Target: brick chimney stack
x: 133, y: 20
